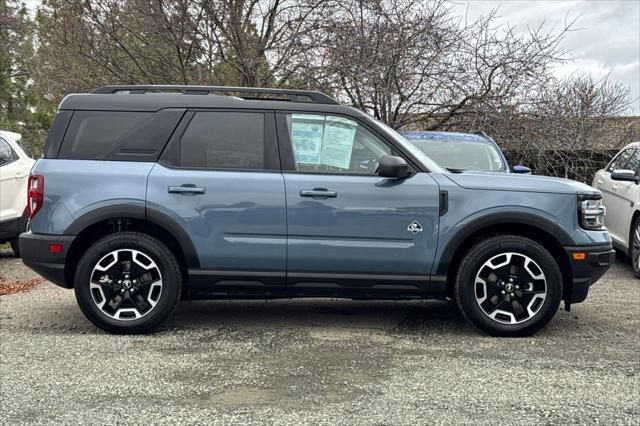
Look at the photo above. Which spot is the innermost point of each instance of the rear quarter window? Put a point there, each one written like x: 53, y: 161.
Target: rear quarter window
x: 118, y: 135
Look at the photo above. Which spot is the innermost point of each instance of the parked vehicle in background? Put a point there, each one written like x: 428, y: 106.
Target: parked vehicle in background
x: 619, y: 183
x: 463, y: 151
x: 15, y: 165
x: 142, y: 198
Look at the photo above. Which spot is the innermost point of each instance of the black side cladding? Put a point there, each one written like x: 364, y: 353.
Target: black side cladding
x: 118, y: 135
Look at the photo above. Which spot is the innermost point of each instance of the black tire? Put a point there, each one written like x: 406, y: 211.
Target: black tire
x: 171, y: 283
x: 15, y: 246
x: 15, y: 242
x: 468, y: 296
x: 634, y: 250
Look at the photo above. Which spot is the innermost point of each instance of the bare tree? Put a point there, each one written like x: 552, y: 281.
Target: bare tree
x: 569, y: 128
x: 408, y: 61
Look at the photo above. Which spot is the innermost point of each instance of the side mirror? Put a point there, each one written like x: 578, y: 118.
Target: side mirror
x: 521, y: 170
x: 625, y: 176
x: 391, y: 166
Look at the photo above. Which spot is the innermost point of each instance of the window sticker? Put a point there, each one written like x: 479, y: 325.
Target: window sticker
x: 307, y: 141
x: 337, y: 142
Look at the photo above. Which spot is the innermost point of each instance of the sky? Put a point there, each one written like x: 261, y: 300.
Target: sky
x: 606, y: 41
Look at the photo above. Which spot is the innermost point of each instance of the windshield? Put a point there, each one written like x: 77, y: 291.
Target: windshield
x: 462, y: 155
x: 424, y: 158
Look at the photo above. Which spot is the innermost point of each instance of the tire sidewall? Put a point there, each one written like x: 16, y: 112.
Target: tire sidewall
x: 476, y: 258
x: 22, y: 227
x: 171, y: 282
x: 636, y: 223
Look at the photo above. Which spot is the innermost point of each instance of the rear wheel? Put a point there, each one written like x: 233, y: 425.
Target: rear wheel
x: 127, y: 283
x: 15, y: 246
x: 508, y: 286
x: 15, y: 242
x: 635, y: 247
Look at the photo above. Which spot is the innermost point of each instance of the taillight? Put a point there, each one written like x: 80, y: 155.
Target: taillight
x: 35, y: 195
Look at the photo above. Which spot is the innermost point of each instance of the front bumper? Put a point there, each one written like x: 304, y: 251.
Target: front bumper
x: 34, y: 249
x: 585, y: 272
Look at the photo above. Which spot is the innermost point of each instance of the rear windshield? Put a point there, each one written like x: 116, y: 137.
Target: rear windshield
x: 118, y: 135
x: 462, y: 155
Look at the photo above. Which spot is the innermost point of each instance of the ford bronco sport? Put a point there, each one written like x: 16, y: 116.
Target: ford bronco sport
x: 149, y: 194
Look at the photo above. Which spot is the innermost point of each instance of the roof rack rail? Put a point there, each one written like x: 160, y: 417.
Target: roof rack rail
x: 291, y: 95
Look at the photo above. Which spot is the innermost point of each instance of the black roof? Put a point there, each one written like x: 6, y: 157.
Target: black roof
x: 154, y: 98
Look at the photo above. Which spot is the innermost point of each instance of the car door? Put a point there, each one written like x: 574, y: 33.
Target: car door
x: 627, y: 196
x: 219, y: 179
x: 13, y: 175
x: 616, y: 206
x: 347, y: 228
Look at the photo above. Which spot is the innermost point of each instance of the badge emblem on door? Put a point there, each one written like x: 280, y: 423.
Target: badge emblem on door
x: 414, y: 227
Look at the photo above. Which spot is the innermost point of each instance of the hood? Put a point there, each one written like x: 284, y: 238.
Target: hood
x: 520, y: 183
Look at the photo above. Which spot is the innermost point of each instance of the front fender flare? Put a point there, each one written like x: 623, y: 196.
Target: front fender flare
x: 498, y: 218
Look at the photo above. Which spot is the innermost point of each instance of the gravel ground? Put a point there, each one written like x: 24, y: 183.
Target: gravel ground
x: 319, y: 361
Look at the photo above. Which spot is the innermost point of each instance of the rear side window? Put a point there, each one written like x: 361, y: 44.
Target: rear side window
x: 223, y: 140
x: 118, y: 135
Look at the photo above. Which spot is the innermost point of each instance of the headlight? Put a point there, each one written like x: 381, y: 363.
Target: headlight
x: 591, y: 213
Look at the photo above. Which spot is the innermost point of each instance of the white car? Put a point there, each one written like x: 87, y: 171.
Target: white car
x: 15, y: 166
x: 620, y: 186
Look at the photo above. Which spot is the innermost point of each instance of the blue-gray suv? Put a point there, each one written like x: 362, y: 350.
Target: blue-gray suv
x: 147, y: 195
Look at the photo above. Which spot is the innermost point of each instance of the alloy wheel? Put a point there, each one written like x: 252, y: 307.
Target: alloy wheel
x: 510, y: 288
x: 126, y: 284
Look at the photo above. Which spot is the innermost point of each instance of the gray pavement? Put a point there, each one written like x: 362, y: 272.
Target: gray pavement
x: 319, y: 361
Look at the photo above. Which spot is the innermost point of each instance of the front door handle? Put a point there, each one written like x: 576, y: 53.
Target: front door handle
x: 186, y: 189
x: 318, y: 192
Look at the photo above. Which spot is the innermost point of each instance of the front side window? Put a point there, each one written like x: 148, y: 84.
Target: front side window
x: 621, y: 160
x: 462, y: 155
x: 7, y: 155
x: 634, y: 162
x: 223, y: 140
x: 331, y: 144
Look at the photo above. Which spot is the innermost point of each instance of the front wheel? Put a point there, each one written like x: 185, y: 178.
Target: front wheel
x: 508, y: 286
x: 127, y: 283
x: 635, y: 247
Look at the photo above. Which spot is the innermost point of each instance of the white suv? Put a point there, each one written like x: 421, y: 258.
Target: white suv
x: 15, y: 166
x: 620, y: 186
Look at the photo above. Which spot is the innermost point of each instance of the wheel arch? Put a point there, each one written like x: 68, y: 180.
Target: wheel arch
x: 541, y: 230
x: 98, y: 223
x: 634, y: 217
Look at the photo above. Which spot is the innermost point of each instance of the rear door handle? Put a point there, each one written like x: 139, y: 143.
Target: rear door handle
x: 614, y: 187
x: 186, y: 189
x: 318, y: 192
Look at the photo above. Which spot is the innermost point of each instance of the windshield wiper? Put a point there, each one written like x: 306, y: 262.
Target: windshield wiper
x: 455, y: 170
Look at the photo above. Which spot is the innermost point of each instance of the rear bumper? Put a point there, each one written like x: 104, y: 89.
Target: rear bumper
x: 597, y: 260
x: 35, y: 253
